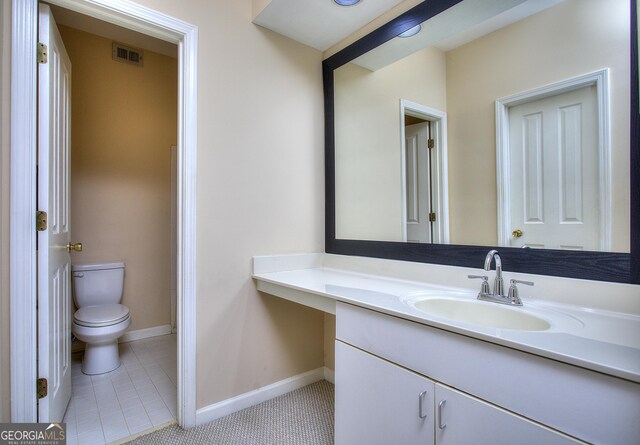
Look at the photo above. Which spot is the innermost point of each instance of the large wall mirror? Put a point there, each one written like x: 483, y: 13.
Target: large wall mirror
x: 467, y: 125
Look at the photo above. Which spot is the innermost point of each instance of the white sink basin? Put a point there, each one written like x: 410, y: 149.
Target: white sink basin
x: 482, y: 313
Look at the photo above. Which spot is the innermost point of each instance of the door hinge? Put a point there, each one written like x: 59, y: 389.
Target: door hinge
x: 41, y: 221
x: 43, y: 52
x: 432, y: 217
x: 42, y: 388
x: 431, y: 143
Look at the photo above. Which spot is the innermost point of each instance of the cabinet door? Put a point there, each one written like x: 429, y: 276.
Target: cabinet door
x: 378, y: 402
x: 461, y: 420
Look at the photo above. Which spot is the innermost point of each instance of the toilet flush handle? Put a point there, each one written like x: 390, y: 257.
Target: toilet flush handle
x: 77, y: 247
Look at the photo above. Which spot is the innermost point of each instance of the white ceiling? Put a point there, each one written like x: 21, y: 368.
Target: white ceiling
x: 320, y: 23
x: 113, y: 32
x: 458, y: 25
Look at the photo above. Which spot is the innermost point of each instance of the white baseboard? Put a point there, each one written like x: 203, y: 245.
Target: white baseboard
x: 329, y: 375
x: 139, y: 334
x: 251, y: 398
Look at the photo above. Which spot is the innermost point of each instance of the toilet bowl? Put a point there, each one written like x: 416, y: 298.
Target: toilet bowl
x: 100, y: 319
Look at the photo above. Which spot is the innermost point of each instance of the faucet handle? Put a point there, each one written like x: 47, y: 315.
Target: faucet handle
x: 513, y: 289
x: 484, y: 287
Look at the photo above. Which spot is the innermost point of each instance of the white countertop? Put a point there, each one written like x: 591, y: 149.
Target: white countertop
x: 596, y: 339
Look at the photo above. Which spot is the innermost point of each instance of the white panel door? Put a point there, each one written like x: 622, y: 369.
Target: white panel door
x: 379, y: 403
x: 462, y: 420
x: 418, y: 187
x: 54, y: 274
x: 554, y: 172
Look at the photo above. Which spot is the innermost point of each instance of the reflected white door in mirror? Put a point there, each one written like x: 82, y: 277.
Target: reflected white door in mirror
x: 425, y: 212
x: 418, y: 183
x: 554, y: 166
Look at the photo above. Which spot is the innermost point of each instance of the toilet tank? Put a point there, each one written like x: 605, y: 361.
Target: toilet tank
x: 95, y: 284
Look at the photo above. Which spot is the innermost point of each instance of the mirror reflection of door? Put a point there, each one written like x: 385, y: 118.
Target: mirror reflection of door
x: 419, y: 179
x: 553, y: 152
x: 425, y: 193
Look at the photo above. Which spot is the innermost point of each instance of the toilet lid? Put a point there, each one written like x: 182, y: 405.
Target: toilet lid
x: 99, y: 316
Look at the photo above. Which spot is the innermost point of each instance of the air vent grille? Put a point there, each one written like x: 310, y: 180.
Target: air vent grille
x: 126, y: 54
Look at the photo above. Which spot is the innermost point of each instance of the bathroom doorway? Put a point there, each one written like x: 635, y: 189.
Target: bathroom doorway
x: 124, y: 88
x: 24, y: 370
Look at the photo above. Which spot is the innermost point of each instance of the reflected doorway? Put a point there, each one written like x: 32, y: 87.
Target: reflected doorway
x: 421, y: 216
x: 554, y: 176
x: 425, y: 217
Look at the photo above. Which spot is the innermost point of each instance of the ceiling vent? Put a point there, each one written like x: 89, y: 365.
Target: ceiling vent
x: 126, y: 54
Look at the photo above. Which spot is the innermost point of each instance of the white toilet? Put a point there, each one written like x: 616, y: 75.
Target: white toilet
x: 100, y: 320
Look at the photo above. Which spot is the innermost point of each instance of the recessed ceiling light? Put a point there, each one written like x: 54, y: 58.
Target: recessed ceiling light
x: 347, y: 2
x: 411, y: 31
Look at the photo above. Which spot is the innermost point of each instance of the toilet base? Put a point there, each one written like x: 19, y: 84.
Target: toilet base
x: 102, y: 358
x: 101, y: 351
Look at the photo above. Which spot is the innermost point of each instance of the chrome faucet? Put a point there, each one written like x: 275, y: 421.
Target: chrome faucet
x: 497, y: 296
x: 498, y: 283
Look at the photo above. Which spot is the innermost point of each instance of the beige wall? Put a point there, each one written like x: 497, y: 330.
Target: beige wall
x: 258, y: 6
x: 367, y: 134
x: 572, y: 38
x: 260, y: 190
x: 5, y: 67
x: 124, y: 120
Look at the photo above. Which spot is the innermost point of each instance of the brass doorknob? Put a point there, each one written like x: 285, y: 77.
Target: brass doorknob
x: 77, y: 247
x: 517, y: 233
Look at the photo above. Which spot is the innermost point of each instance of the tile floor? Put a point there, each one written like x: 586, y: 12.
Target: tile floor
x: 139, y: 395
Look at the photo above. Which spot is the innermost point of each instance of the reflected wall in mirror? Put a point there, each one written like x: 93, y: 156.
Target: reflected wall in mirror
x: 526, y: 106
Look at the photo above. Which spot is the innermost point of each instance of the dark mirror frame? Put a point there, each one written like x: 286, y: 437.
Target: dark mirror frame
x: 601, y: 266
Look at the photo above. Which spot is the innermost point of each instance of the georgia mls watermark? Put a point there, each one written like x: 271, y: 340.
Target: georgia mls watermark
x: 33, y: 434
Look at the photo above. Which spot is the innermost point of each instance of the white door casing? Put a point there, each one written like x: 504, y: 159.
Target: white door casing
x: 23, y: 190
x: 418, y: 172
x: 553, y: 160
x: 599, y: 80
x: 440, y: 196
x: 54, y: 262
x: 173, y: 154
x: 22, y: 230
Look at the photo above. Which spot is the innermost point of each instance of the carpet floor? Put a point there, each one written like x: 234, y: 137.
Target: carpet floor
x: 304, y: 416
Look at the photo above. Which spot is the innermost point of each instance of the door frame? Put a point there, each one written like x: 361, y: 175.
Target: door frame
x: 22, y: 252
x: 599, y: 79
x: 440, y: 174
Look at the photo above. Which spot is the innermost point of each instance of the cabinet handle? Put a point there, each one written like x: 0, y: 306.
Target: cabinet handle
x: 421, y: 398
x: 440, y: 407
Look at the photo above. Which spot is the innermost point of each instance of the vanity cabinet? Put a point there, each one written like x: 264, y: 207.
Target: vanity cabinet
x: 462, y: 419
x: 484, y: 393
x: 378, y: 402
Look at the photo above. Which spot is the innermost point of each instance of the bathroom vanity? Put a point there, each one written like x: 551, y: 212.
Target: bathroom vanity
x: 549, y: 372
x: 459, y: 92
x: 399, y: 382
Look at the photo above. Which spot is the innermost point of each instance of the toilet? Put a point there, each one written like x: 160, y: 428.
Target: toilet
x: 100, y: 319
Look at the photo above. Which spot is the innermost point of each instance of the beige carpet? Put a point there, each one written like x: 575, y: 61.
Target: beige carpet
x: 303, y: 416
